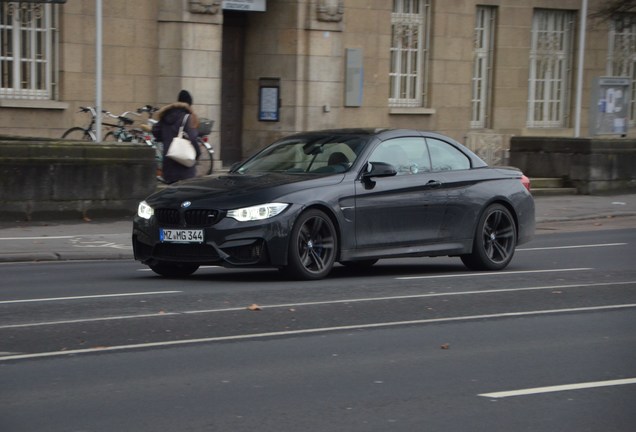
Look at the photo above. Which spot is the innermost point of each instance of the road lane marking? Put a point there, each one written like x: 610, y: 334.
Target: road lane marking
x: 497, y: 273
x: 166, y: 344
x: 88, y: 320
x: 87, y: 297
x: 37, y: 238
x: 558, y: 388
x: 571, y: 247
x: 416, y: 296
x: 59, y: 237
x: 316, y: 303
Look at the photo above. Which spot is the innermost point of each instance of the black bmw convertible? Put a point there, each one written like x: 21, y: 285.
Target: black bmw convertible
x: 348, y: 196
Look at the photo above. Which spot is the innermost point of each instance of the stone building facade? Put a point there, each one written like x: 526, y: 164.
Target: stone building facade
x: 480, y: 71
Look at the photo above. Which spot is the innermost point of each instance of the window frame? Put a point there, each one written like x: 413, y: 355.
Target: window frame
x: 551, y: 47
x: 28, y: 51
x: 484, y: 52
x: 409, y: 63
x: 621, y: 57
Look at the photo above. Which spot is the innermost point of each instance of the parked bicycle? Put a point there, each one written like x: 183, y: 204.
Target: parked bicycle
x: 205, y: 163
x: 122, y: 131
x: 88, y: 133
x: 149, y: 138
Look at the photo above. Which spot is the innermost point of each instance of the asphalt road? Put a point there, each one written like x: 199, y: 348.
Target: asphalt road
x: 547, y: 344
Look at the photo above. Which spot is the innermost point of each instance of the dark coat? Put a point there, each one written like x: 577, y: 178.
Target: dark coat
x: 170, y: 118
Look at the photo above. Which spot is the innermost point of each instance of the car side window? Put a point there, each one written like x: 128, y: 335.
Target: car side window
x: 445, y: 157
x: 408, y: 155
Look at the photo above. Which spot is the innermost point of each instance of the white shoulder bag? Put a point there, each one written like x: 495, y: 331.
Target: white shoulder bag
x: 181, y: 149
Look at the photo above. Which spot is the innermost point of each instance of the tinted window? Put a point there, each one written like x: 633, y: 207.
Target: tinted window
x: 408, y: 155
x: 312, y: 153
x: 445, y: 157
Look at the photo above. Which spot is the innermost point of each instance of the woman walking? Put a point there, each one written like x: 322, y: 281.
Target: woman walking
x: 171, y: 118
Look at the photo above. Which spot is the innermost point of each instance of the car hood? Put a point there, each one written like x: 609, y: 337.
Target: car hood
x: 238, y: 190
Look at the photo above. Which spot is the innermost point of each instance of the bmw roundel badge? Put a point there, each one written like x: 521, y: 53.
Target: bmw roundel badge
x: 186, y: 204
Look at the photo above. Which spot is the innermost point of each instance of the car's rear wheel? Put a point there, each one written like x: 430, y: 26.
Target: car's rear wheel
x: 495, y: 240
x: 173, y: 269
x: 313, y: 246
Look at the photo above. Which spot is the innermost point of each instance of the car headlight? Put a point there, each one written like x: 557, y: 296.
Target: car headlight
x: 259, y: 212
x: 144, y: 210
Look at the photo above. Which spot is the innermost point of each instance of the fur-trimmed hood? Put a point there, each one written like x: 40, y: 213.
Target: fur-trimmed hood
x: 170, y: 114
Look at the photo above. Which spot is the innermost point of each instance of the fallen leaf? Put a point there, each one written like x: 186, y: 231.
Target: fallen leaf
x: 445, y: 346
x: 254, y: 307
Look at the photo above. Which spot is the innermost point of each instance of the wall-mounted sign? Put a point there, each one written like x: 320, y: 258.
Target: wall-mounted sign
x: 354, y: 77
x: 609, y: 108
x: 269, y: 99
x: 245, y: 5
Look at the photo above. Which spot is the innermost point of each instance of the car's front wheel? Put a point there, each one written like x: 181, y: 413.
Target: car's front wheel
x: 313, y: 246
x: 173, y: 269
x: 495, y: 240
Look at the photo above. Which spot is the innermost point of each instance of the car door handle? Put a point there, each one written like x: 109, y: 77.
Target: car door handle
x: 434, y: 184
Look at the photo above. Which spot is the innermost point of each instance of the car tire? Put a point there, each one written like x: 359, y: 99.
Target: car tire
x: 495, y: 240
x: 313, y: 246
x: 173, y: 269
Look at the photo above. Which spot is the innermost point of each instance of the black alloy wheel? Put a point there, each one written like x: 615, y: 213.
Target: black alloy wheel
x: 313, y: 246
x: 495, y: 240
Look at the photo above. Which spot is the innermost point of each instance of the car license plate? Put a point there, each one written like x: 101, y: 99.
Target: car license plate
x: 181, y: 235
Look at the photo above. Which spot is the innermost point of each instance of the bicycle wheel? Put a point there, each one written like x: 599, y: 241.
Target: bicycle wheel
x: 204, y: 163
x: 109, y: 136
x: 77, y: 133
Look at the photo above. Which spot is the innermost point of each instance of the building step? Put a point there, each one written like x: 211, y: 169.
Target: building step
x: 546, y: 182
x: 553, y: 191
x: 541, y: 186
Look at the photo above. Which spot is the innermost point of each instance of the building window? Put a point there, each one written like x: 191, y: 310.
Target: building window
x: 410, y: 24
x: 550, y: 67
x: 27, y: 45
x: 484, y: 44
x: 621, y: 60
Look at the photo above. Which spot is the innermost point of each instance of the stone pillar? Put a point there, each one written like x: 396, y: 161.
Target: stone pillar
x: 321, y: 79
x: 190, y: 39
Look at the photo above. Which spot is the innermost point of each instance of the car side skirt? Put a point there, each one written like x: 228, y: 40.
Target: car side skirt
x: 438, y: 249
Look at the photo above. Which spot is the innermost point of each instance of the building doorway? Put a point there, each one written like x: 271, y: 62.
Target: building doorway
x: 232, y: 76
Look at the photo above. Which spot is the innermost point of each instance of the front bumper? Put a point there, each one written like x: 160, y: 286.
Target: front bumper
x: 226, y: 242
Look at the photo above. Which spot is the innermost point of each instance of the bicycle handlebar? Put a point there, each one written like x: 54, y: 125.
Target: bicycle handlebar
x: 92, y: 110
x: 122, y: 117
x: 148, y: 109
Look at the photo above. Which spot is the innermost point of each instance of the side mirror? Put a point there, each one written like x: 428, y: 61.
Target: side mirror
x: 379, y: 169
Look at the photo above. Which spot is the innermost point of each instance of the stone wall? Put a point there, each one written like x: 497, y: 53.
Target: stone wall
x: 592, y: 165
x: 44, y: 179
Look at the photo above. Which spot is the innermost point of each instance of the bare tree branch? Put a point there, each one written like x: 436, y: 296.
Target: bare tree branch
x: 614, y: 8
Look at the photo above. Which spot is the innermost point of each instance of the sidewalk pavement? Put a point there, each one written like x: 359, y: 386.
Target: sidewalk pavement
x: 111, y: 238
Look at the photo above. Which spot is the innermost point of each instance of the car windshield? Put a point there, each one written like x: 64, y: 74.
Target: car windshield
x: 307, y: 154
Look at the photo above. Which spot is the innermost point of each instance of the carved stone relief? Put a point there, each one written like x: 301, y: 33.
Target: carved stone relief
x: 210, y: 7
x: 330, y: 10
